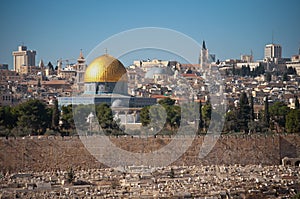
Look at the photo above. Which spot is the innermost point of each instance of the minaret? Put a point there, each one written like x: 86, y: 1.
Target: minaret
x: 81, y: 59
x: 81, y: 67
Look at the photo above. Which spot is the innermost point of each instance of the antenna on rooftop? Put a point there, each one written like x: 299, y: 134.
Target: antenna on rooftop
x: 272, y: 36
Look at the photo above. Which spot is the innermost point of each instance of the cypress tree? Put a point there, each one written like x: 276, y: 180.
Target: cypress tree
x: 200, y: 124
x: 297, y: 105
x: 55, y: 115
x: 39, y: 83
x: 244, y: 113
x: 266, y: 113
x: 252, y: 116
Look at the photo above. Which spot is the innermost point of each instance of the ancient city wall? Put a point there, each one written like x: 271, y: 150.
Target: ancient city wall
x: 50, y: 153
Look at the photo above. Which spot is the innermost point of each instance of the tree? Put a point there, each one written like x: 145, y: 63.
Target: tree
x: 7, y: 120
x: 278, y: 112
x: 167, y: 102
x: 231, y: 121
x: 145, y: 116
x: 200, y: 123
x: 39, y: 83
x: 291, y: 71
x: 252, y: 116
x: 55, y: 115
x: 268, y: 77
x: 106, y: 118
x: 167, y: 115
x: 173, y: 116
x: 297, y: 105
x: 7, y: 117
x: 67, y: 118
x: 266, y: 113
x: 285, y: 77
x: 293, y: 121
x: 244, y: 113
x: 206, y: 114
x: 33, y: 116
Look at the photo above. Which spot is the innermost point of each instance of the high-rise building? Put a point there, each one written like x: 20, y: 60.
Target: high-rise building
x: 272, y: 52
x: 23, y: 57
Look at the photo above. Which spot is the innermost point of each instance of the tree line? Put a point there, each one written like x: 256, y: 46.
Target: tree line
x: 34, y: 117
x: 278, y: 117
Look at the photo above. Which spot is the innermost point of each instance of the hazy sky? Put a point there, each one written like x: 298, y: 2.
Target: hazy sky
x: 60, y: 28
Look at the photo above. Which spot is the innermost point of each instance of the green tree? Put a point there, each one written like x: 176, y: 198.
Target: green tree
x: 167, y: 102
x: 158, y: 116
x: 200, y: 123
x: 67, y: 118
x: 106, y: 119
x: 293, y: 121
x: 173, y: 116
x: 167, y: 113
x: 266, y: 112
x: 206, y: 114
x: 33, y: 115
x: 80, y: 116
x: 145, y: 116
x: 7, y: 120
x: 278, y: 112
x: 39, y: 83
x: 244, y: 114
x: 231, y: 121
x: 7, y: 117
x: 55, y: 116
x: 252, y: 116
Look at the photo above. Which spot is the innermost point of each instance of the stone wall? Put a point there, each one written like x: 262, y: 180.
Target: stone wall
x: 51, y: 153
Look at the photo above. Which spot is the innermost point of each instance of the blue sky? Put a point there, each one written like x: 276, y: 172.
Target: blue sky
x: 60, y: 28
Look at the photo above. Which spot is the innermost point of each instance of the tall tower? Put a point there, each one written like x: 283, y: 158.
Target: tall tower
x: 23, y: 57
x: 203, y: 59
x: 81, y: 67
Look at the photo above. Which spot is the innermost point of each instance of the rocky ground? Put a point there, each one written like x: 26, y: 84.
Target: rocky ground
x: 215, y: 181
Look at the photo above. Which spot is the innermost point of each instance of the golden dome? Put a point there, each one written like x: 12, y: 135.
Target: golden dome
x: 105, y: 69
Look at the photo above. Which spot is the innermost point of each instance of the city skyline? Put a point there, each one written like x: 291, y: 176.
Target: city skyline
x: 60, y: 29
